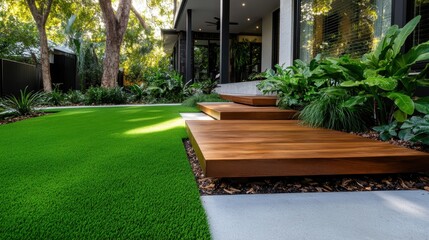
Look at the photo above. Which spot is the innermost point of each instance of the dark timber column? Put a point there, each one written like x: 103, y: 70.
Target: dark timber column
x: 224, y: 41
x: 189, y: 46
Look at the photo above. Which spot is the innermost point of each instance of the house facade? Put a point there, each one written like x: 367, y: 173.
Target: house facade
x: 236, y: 39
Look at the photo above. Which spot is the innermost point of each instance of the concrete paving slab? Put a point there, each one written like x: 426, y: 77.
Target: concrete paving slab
x: 195, y: 116
x: 347, y: 215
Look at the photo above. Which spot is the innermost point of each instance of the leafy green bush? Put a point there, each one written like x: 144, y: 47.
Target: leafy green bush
x: 95, y: 95
x: 24, y: 104
x: 164, y: 86
x: 330, y: 111
x: 138, y: 92
x: 193, y: 100
x: 99, y: 95
x: 295, y: 86
x: 202, y: 87
x: 386, y: 82
x: 55, y: 97
x: 415, y: 129
x: 74, y: 97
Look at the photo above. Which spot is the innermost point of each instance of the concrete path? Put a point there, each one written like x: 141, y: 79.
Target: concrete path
x: 386, y: 215
x: 195, y: 116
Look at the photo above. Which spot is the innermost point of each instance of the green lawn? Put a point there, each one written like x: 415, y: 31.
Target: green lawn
x: 99, y: 173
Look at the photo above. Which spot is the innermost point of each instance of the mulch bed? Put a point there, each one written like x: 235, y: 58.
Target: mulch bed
x: 12, y: 119
x: 221, y: 186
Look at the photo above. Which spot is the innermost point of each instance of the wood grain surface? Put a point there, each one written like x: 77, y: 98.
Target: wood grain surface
x: 242, y: 148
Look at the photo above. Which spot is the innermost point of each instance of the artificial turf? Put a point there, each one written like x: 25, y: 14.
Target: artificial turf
x: 99, y: 173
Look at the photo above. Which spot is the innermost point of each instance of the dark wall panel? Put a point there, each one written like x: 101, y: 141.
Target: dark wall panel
x: 16, y: 76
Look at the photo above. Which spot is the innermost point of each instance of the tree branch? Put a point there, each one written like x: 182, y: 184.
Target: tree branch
x: 139, y: 17
x: 47, y: 11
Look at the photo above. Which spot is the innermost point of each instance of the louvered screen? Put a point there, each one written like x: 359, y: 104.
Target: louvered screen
x: 421, y: 34
x: 338, y: 27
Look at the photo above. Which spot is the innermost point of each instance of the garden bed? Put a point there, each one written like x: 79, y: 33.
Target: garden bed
x: 12, y: 119
x: 220, y: 186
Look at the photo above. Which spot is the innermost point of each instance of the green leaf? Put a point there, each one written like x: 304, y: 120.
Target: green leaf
x: 353, y: 101
x: 403, y: 34
x: 406, y: 134
x: 350, y: 84
x: 400, y: 116
x: 404, y: 102
x: 387, y: 84
x: 422, y: 105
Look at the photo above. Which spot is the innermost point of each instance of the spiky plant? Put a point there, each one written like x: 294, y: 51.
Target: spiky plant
x: 24, y: 104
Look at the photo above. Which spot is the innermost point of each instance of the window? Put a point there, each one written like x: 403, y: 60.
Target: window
x: 421, y: 33
x: 338, y: 27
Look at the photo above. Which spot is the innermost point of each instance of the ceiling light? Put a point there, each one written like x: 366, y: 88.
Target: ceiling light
x: 243, y: 4
x: 257, y: 27
x: 200, y: 29
x: 248, y: 19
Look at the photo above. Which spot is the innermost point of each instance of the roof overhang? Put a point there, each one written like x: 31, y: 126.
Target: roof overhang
x: 249, y: 17
x: 169, y: 37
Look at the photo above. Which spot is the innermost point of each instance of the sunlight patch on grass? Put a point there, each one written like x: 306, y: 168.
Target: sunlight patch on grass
x: 159, y: 127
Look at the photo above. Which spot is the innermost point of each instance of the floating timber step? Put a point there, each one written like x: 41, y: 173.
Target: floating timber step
x: 234, y: 111
x: 286, y: 148
x: 253, y: 100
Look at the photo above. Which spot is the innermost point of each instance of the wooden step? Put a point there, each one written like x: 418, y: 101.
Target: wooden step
x: 253, y: 100
x: 286, y: 148
x: 234, y: 111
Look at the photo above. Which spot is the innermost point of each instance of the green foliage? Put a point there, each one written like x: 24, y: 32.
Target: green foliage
x: 204, y: 87
x: 330, y: 111
x: 295, y: 86
x: 24, y: 104
x: 75, y: 97
x: 197, y: 98
x: 55, y: 97
x: 164, y: 86
x: 386, y: 80
x: 415, y: 129
x: 387, y: 131
x: 138, y: 92
x: 99, y: 95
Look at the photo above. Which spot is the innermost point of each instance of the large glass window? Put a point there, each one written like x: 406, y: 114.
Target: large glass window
x: 421, y: 34
x: 338, y: 27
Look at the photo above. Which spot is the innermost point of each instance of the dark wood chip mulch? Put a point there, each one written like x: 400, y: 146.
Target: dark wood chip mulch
x: 12, y: 119
x: 220, y: 186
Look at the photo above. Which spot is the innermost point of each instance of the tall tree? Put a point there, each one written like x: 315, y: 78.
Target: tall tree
x: 40, y: 12
x: 116, y: 25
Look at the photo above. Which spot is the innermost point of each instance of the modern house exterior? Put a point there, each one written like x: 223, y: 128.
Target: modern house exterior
x: 235, y: 39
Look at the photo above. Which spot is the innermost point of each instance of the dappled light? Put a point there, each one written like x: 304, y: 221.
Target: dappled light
x: 404, y: 206
x: 159, y: 127
x: 72, y: 113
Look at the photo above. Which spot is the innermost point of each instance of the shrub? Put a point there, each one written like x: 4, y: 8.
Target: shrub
x: 24, y: 104
x: 415, y: 129
x: 138, y: 92
x: 74, y: 97
x: 55, y: 97
x: 99, y: 95
x: 386, y: 82
x: 330, y: 111
x: 204, y: 87
x: 193, y: 100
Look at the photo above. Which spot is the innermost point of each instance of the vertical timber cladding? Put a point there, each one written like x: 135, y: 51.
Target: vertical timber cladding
x: 16, y: 76
x: 63, y: 71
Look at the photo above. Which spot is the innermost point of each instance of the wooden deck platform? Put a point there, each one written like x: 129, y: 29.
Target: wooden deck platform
x: 253, y: 100
x: 285, y: 148
x: 234, y: 111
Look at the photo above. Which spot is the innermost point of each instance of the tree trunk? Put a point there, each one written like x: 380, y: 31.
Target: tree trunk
x: 40, y: 13
x: 46, y: 68
x: 116, y: 24
x: 111, y: 64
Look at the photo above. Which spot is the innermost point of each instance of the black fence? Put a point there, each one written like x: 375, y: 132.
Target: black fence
x: 15, y: 76
x: 63, y: 71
